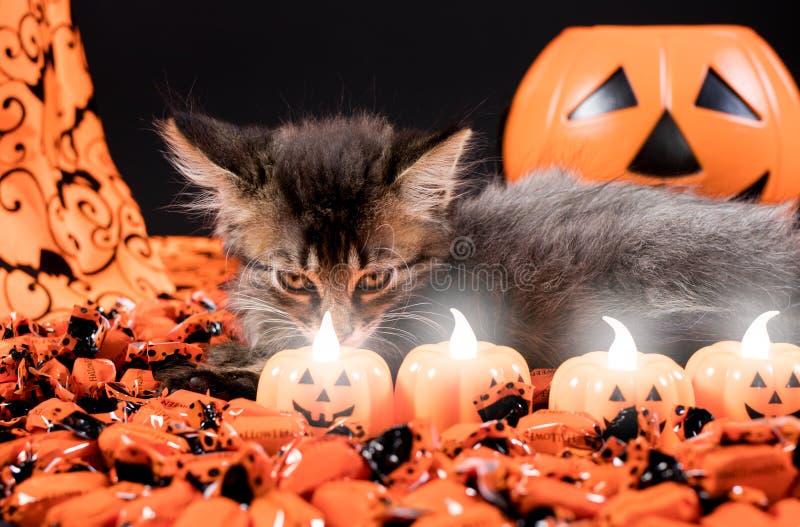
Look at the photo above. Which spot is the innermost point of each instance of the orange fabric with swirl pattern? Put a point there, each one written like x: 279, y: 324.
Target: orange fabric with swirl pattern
x: 69, y: 228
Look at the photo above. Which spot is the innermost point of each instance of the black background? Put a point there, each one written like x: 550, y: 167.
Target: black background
x: 262, y: 61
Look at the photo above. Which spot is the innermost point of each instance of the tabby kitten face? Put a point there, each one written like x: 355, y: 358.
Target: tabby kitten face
x: 344, y: 214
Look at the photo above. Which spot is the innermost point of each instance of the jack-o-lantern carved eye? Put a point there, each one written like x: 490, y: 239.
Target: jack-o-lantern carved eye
x: 793, y: 382
x: 614, y: 94
x: 616, y: 395
x: 653, y: 395
x: 717, y: 95
x: 306, y: 378
x: 758, y: 382
x: 342, y: 380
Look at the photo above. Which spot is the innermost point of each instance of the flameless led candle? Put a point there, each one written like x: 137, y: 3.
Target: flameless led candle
x: 603, y: 383
x: 440, y: 381
x: 326, y: 382
x: 749, y: 379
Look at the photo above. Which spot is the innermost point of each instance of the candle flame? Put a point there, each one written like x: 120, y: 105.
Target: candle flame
x: 756, y: 343
x: 463, y: 343
x: 622, y: 352
x: 325, y: 347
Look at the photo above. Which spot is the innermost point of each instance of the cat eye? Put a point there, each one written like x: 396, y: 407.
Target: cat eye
x: 374, y: 281
x: 717, y: 95
x: 296, y: 283
x: 614, y: 94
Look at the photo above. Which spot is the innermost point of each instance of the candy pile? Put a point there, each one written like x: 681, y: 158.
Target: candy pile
x: 89, y: 438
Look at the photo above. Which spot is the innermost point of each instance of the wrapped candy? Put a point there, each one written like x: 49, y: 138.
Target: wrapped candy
x: 89, y: 437
x: 31, y: 499
x: 285, y: 508
x: 213, y: 512
x: 309, y: 462
x: 554, y: 431
x: 159, y: 506
x: 352, y: 502
x: 669, y: 501
x: 98, y: 507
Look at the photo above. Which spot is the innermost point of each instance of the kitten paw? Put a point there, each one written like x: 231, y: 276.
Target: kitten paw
x: 222, y: 383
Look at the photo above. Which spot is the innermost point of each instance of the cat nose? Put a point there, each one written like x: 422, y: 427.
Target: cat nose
x: 342, y: 323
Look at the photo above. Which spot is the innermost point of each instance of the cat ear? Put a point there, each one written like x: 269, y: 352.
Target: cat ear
x: 429, y: 183
x: 212, y: 153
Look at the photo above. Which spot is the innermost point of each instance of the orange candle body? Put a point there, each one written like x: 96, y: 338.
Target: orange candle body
x: 587, y: 384
x: 431, y: 384
x: 358, y: 385
x: 750, y: 379
x: 330, y: 385
x: 603, y: 383
x: 729, y: 385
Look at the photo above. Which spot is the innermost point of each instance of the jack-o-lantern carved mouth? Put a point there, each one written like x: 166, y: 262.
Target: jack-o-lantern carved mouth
x: 758, y: 415
x: 321, y: 422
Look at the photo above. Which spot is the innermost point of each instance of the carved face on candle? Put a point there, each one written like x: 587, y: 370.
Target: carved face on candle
x: 326, y: 382
x: 774, y: 398
x: 321, y: 395
x: 653, y: 401
x: 748, y: 380
x: 602, y: 384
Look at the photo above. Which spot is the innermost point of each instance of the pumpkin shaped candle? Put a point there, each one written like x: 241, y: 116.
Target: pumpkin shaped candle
x: 439, y: 381
x: 603, y: 383
x: 326, y: 382
x: 750, y: 379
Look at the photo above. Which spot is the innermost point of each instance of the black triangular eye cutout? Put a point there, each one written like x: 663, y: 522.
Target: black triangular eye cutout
x: 653, y: 395
x: 342, y: 380
x: 494, y: 382
x: 793, y: 382
x: 614, y: 94
x: 520, y: 379
x: 616, y: 395
x: 306, y: 378
x: 758, y: 382
x: 717, y: 95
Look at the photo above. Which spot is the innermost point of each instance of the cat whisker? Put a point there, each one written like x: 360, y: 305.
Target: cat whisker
x: 393, y: 348
x: 394, y: 317
x: 259, y: 309
x: 277, y: 342
x: 431, y: 301
x: 406, y: 309
x: 397, y: 332
x: 257, y: 304
x: 407, y: 306
x: 399, y: 315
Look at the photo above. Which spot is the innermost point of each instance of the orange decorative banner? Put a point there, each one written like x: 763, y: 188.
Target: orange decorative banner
x: 70, y: 228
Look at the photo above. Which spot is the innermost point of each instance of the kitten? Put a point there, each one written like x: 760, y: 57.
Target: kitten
x: 352, y: 215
